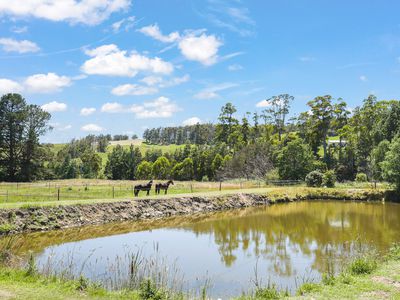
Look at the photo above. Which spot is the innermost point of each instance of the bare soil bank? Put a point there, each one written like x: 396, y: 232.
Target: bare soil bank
x: 65, y: 216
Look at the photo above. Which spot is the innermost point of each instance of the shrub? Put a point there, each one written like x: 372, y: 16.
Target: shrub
x: 267, y: 293
x: 149, y: 291
x: 362, y: 265
x: 314, y: 179
x: 307, y: 287
x: 329, y: 179
x: 361, y: 177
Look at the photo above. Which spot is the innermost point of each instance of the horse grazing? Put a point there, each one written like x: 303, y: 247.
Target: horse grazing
x: 163, y: 186
x: 143, y: 187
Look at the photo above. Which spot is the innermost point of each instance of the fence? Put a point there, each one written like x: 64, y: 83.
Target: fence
x: 105, y: 189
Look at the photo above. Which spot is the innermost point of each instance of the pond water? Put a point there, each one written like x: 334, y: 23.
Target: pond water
x: 284, y: 244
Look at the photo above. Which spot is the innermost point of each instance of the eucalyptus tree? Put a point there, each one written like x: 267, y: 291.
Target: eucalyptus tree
x: 277, y: 111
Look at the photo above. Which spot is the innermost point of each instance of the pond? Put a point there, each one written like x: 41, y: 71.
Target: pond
x: 285, y: 244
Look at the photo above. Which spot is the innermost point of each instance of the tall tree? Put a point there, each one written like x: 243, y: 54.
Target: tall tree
x: 277, y: 111
x: 21, y: 125
x: 227, y: 122
x: 321, y: 116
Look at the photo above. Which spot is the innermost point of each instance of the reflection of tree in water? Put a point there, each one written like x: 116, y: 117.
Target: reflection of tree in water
x: 327, y: 231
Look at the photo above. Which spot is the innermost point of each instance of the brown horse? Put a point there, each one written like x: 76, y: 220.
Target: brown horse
x: 143, y: 187
x: 163, y: 186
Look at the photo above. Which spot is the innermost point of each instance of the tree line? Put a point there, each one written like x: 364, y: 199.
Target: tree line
x: 328, y: 138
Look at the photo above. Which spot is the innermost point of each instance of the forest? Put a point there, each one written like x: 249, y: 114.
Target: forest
x: 328, y: 142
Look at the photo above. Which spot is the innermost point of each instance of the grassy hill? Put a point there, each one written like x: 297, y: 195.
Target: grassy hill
x: 126, y: 144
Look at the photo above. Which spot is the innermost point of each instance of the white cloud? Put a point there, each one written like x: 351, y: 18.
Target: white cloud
x: 155, y: 32
x: 86, y: 111
x: 363, y: 78
x: 125, y: 24
x: 23, y: 46
x: 60, y: 127
x: 54, y: 106
x: 263, y: 103
x: 191, y: 121
x: 206, y: 95
x: 9, y: 86
x: 19, y: 30
x: 90, y: 12
x: 109, y: 60
x: 46, y: 83
x: 161, y: 83
x: 175, y: 81
x: 203, y: 48
x: 161, y: 107
x: 92, y: 128
x: 133, y: 90
x: 112, y: 107
x: 211, y: 92
x: 152, y: 80
x: 235, y: 67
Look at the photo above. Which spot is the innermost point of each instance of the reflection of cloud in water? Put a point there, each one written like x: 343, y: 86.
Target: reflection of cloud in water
x: 339, y: 223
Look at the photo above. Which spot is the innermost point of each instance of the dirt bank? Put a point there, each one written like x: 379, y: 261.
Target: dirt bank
x: 57, y: 217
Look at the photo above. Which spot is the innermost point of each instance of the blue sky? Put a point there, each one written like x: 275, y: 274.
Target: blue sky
x: 120, y: 66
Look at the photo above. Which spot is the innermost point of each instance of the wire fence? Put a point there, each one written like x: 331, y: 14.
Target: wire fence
x: 106, y: 189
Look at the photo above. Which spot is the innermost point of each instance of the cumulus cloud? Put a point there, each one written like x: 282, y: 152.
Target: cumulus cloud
x: 54, y: 106
x: 194, y: 45
x: 211, y: 92
x: 155, y: 32
x: 203, y: 48
x: 92, y: 128
x: 9, y: 86
x: 162, y: 83
x: 110, y: 61
x: 73, y: 11
x: 161, y: 107
x: 46, y: 83
x: 363, y: 78
x: 60, y: 127
x: 87, y: 111
x: 112, y: 107
x: 133, y: 90
x: 23, y: 46
x: 152, y: 80
x: 191, y: 121
x: 263, y: 103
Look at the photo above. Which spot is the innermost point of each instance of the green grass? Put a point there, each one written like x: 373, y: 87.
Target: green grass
x: 17, y: 284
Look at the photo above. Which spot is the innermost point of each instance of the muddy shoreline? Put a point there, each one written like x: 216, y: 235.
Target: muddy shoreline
x: 46, y: 218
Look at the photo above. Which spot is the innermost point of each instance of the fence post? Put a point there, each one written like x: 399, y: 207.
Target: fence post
x: 220, y: 185
x: 191, y: 188
x: 58, y: 194
x: 240, y: 185
x: 7, y: 197
x: 113, y: 192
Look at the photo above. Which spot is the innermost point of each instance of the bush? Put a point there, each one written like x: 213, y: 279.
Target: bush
x: 329, y: 179
x: 362, y: 265
x: 361, y: 177
x: 307, y: 288
x: 314, y: 179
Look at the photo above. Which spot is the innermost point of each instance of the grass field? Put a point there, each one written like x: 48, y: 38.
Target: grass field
x: 72, y: 191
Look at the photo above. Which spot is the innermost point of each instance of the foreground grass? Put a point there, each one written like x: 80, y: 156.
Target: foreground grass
x: 17, y: 284
x: 362, y: 279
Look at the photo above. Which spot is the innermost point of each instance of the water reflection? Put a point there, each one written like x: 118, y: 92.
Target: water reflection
x: 290, y: 241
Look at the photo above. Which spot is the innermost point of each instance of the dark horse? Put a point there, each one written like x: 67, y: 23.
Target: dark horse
x: 163, y: 186
x: 143, y: 187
